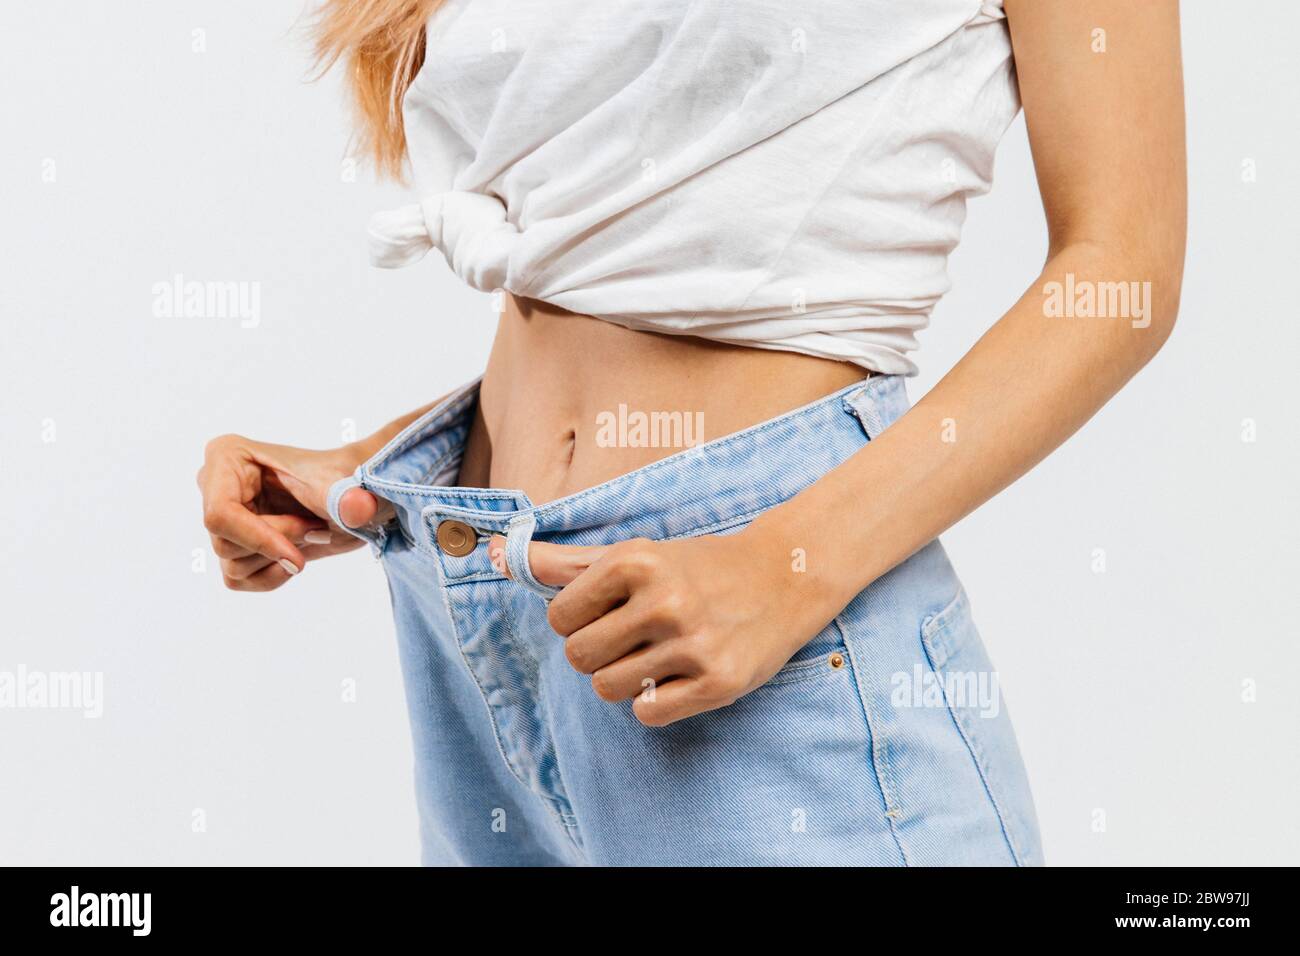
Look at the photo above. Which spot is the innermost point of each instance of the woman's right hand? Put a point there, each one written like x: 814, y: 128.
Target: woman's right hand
x: 264, y: 506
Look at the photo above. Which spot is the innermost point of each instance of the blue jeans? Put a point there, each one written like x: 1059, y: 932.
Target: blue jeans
x: 884, y: 741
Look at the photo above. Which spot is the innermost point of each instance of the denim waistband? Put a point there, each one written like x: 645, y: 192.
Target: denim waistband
x: 708, y: 487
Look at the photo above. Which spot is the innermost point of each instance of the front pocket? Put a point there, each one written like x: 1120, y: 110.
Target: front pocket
x: 943, y: 633
x: 963, y: 673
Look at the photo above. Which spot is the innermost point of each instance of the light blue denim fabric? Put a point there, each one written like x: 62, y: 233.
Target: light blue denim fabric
x: 518, y: 762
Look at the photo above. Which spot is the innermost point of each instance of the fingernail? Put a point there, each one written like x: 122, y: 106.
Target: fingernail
x: 288, y: 566
x: 317, y: 537
x: 497, y: 555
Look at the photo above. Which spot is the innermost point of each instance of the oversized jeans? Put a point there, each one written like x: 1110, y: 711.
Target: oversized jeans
x: 884, y: 741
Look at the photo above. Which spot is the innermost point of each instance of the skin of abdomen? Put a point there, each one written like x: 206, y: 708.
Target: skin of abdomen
x: 569, y: 401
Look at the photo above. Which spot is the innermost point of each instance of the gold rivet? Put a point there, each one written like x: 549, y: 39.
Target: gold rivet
x: 837, y: 660
x: 456, y: 538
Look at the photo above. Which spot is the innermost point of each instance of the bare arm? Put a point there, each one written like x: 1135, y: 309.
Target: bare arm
x: 1106, y: 130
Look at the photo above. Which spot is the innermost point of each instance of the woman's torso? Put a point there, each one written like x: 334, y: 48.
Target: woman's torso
x: 568, y: 401
x: 755, y: 202
x: 787, y: 177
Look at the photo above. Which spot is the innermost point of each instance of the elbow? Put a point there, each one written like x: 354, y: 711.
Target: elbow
x: 1164, y: 301
x: 1161, y: 307
x: 1135, y: 287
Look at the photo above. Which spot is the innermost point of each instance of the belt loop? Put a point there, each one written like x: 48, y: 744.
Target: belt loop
x: 519, y: 534
x: 865, y: 405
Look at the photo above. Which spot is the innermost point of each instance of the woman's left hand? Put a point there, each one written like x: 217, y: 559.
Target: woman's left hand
x: 682, y: 626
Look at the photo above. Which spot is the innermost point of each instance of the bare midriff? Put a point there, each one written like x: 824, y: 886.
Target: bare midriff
x: 568, y: 401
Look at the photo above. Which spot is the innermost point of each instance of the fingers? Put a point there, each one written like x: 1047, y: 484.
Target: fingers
x: 310, y: 496
x: 640, y: 672
x: 267, y: 579
x: 674, y: 700
x: 595, y: 580
x: 619, y: 630
x: 245, y: 567
x: 264, y: 506
x: 627, y: 622
x: 606, y: 584
x: 611, y: 636
x: 295, y: 528
x: 230, y: 481
x: 553, y: 564
x: 324, y: 545
x: 558, y: 564
x: 238, y: 569
x: 235, y: 523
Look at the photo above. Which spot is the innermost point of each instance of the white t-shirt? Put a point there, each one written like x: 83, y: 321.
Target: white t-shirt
x: 772, y: 174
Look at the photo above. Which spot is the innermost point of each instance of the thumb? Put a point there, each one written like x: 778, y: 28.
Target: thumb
x: 553, y: 564
x: 358, y: 507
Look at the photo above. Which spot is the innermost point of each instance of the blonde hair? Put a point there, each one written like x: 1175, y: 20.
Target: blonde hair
x: 381, y: 43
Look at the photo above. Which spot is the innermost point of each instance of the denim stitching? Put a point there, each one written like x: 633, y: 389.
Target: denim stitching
x: 437, y: 466
x: 423, y: 491
x: 543, y: 718
x: 723, y: 524
x: 879, y: 758
x: 409, y: 489
x: 496, y: 729
x: 549, y: 802
x: 810, y: 669
x: 419, y: 429
x: 945, y: 617
x: 711, y: 446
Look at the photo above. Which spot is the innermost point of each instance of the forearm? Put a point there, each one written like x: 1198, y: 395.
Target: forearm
x: 1026, y: 386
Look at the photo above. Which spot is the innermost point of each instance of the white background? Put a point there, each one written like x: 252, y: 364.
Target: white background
x: 1126, y: 686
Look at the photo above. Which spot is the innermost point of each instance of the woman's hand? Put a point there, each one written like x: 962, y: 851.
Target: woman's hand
x: 264, y: 506
x: 682, y: 626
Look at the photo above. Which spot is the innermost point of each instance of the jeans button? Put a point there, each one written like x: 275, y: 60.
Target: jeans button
x: 456, y: 538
